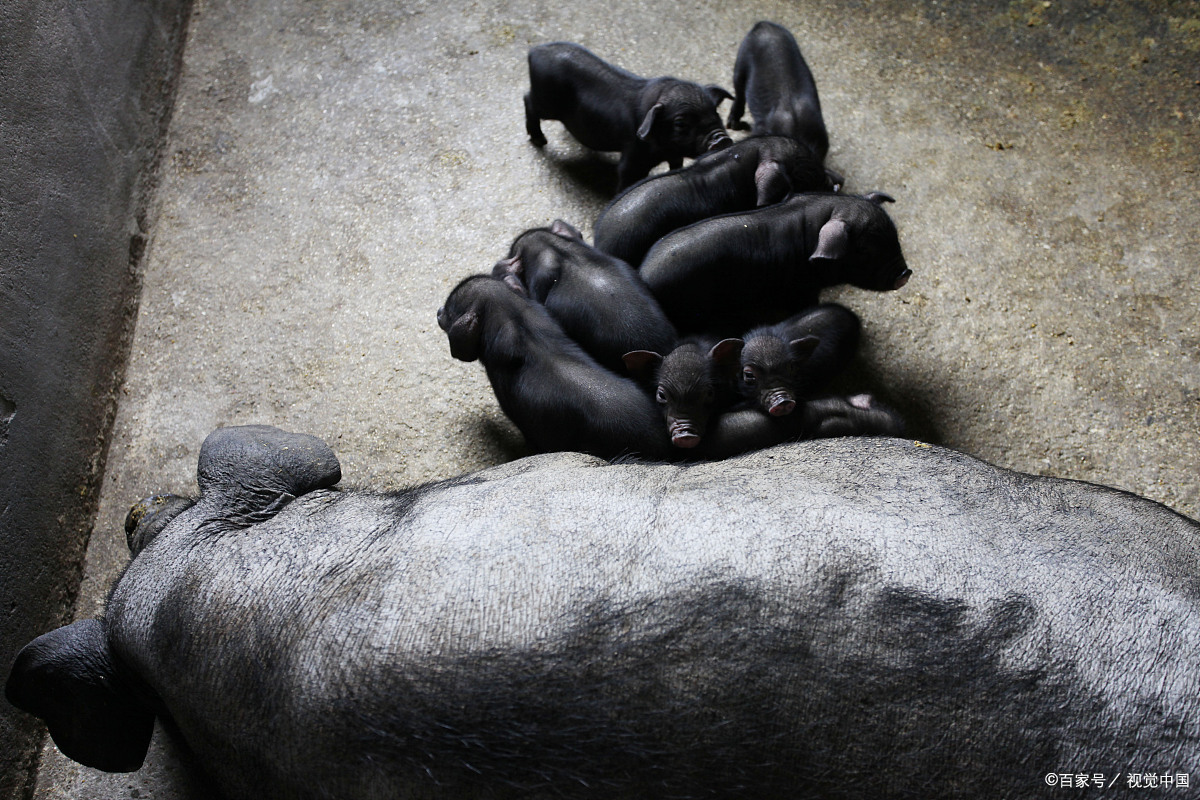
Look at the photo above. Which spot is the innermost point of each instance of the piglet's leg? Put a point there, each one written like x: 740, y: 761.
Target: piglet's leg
x: 635, y: 164
x: 734, y: 121
x: 860, y: 415
x: 533, y: 123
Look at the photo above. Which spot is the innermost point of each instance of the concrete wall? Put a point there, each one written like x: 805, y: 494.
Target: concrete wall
x: 85, y: 94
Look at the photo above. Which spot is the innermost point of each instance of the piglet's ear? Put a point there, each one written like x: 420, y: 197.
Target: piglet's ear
x: 879, y: 198
x: 643, y: 130
x: 772, y: 182
x: 803, y: 348
x: 726, y: 351
x: 717, y: 94
x: 565, y: 229
x: 464, y: 336
x: 68, y: 678
x: 513, y: 282
x: 642, y: 364
x: 507, y: 266
x: 832, y: 242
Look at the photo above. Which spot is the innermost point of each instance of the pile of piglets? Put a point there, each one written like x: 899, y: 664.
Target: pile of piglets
x: 692, y: 327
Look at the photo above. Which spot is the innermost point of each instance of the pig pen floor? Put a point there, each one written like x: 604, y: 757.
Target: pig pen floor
x: 333, y: 169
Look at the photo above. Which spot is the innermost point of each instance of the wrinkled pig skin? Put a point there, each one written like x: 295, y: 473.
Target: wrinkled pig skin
x: 600, y: 301
x: 755, y: 172
x: 773, y: 79
x: 647, y: 120
x: 840, y: 618
x: 726, y: 274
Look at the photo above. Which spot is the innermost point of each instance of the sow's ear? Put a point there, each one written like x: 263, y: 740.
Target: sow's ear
x: 256, y: 465
x: 68, y: 678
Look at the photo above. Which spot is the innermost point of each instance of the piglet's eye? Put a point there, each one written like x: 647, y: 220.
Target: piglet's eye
x: 748, y: 376
x: 660, y: 396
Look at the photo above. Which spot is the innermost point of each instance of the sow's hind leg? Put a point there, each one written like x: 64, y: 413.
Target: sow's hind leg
x: 253, y: 471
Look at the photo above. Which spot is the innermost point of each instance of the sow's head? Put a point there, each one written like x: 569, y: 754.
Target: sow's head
x: 97, y: 710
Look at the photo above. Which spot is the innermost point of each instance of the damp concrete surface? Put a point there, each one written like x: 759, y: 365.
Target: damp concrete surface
x: 333, y: 169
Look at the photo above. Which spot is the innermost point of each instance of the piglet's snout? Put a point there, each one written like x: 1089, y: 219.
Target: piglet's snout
x: 781, y: 405
x: 719, y: 140
x: 684, y: 433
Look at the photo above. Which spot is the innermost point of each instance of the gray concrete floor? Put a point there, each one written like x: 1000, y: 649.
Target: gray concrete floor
x: 334, y: 168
